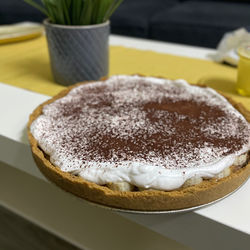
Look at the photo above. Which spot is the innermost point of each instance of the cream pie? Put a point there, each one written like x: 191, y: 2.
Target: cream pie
x: 142, y: 143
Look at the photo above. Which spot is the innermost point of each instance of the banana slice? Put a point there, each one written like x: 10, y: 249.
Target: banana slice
x: 125, y: 186
x: 192, y: 181
x: 240, y: 160
x: 226, y: 172
x: 120, y: 186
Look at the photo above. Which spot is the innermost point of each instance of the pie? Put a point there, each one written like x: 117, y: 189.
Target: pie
x: 142, y: 143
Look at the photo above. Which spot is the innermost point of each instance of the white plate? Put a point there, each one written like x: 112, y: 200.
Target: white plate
x: 19, y: 32
x: 159, y: 212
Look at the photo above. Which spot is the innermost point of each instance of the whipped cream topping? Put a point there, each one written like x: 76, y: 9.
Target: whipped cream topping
x: 150, y: 132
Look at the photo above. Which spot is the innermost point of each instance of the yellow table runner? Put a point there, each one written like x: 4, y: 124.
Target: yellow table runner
x: 26, y: 65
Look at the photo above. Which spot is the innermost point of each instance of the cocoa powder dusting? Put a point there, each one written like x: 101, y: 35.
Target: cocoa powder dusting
x: 171, y: 125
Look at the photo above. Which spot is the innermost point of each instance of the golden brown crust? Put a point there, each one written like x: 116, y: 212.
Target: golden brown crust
x: 148, y: 200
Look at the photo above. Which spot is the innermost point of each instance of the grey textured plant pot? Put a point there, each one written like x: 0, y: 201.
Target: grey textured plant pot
x: 78, y: 53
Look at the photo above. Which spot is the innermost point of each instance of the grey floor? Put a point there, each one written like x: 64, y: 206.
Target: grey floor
x: 17, y: 233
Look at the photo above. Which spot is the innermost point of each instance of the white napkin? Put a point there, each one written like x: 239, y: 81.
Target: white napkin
x: 227, y: 47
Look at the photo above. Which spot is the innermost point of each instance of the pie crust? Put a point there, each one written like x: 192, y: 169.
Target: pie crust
x: 147, y: 200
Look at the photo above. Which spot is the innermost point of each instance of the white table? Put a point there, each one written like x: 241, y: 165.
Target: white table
x: 223, y: 225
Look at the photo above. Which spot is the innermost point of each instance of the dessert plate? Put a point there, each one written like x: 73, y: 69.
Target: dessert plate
x: 114, y: 209
x: 19, y: 32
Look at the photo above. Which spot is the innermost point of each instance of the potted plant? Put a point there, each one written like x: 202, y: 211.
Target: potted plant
x: 77, y: 33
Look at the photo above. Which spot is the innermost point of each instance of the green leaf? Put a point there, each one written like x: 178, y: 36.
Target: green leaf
x: 53, y: 14
x: 112, y: 9
x: 86, y: 15
x: 104, y: 6
x: 77, y: 12
x: 66, y: 6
